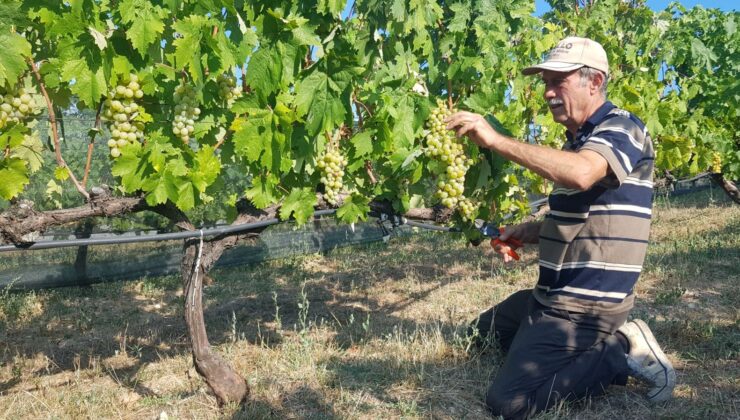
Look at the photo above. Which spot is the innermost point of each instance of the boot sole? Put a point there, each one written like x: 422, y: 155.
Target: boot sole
x: 665, y: 392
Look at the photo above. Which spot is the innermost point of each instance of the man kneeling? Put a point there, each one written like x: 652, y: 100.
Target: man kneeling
x: 568, y: 338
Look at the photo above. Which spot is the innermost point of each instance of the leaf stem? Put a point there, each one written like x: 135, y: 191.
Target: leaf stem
x: 449, y: 95
x: 91, y: 144
x: 55, y: 132
x: 222, y: 141
x: 370, y: 173
x: 357, y: 101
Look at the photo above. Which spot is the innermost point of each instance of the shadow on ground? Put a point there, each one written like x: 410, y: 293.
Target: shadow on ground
x: 125, y: 326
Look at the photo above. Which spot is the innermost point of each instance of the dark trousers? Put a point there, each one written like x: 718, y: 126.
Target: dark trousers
x: 553, y: 355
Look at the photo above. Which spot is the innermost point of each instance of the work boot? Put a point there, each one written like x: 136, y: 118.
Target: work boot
x: 647, y: 361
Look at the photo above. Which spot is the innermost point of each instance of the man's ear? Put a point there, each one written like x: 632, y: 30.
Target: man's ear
x: 597, y: 79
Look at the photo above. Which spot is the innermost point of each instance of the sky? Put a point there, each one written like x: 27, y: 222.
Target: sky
x: 726, y: 5
x: 541, y: 6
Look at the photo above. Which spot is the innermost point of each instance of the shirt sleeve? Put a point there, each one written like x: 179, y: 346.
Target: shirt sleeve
x: 621, y: 142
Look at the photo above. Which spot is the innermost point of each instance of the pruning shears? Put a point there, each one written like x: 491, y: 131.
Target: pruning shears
x: 490, y: 231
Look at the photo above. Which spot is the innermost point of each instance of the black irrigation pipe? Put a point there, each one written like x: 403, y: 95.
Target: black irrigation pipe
x: 203, y: 233
x: 428, y: 226
x: 153, y: 238
x: 188, y: 234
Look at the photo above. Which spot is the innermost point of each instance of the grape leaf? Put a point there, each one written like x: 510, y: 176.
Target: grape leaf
x: 398, y: 10
x: 263, y: 192
x: 146, y: 23
x: 484, y: 173
x: 187, y: 46
x: 305, y: 35
x: 254, y: 134
x: 61, y: 173
x: 317, y: 97
x: 462, y: 14
x: 403, y: 128
x: 354, y: 208
x: 207, y: 168
x: 223, y: 51
x: 14, y: 50
x: 300, y: 203
x: 60, y: 24
x: 363, y: 142
x: 100, y: 40
x: 185, y: 195
x: 333, y: 7
x: 130, y: 168
x: 89, y: 84
x: 14, y: 173
x: 264, y: 72
x: 13, y: 137
x: 160, y: 187
x: 703, y: 55
x: 31, y: 150
x: 158, y: 154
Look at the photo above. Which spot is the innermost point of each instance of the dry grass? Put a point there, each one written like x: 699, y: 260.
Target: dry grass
x: 371, y: 332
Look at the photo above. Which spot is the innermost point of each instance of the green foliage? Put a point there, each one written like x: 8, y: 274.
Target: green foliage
x: 14, y: 307
x: 306, y: 74
x: 299, y: 203
x: 354, y: 209
x: 671, y: 296
x: 15, y: 177
x: 14, y: 50
x: 144, y: 22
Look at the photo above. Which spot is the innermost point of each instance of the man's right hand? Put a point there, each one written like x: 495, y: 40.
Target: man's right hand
x: 475, y: 127
x: 525, y: 233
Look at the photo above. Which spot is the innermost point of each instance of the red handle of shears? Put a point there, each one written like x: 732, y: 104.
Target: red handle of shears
x: 512, y: 243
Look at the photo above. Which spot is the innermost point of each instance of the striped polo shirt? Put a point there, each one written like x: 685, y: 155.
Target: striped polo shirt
x: 593, y: 243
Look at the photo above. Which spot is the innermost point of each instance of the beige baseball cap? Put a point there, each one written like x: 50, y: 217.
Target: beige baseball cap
x: 573, y: 53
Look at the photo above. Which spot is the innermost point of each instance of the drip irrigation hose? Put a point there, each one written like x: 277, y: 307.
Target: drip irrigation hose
x: 200, y: 233
x: 429, y: 226
x: 153, y: 238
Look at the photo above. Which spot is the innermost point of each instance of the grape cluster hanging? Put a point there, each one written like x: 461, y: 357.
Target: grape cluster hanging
x: 17, y: 104
x: 444, y: 146
x: 186, y: 111
x: 331, y: 164
x: 228, y: 91
x: 120, y: 111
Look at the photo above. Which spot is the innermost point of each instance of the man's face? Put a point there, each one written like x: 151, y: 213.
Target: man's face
x: 567, y: 97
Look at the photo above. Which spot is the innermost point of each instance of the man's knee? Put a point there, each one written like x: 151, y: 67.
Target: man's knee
x: 506, y: 404
x: 495, y: 403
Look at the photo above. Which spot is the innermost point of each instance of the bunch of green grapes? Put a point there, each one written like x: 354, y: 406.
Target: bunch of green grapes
x: 186, y: 111
x: 16, y: 105
x: 444, y: 146
x: 332, y: 164
x: 121, y: 110
x: 467, y: 208
x: 227, y: 88
x: 716, y: 162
